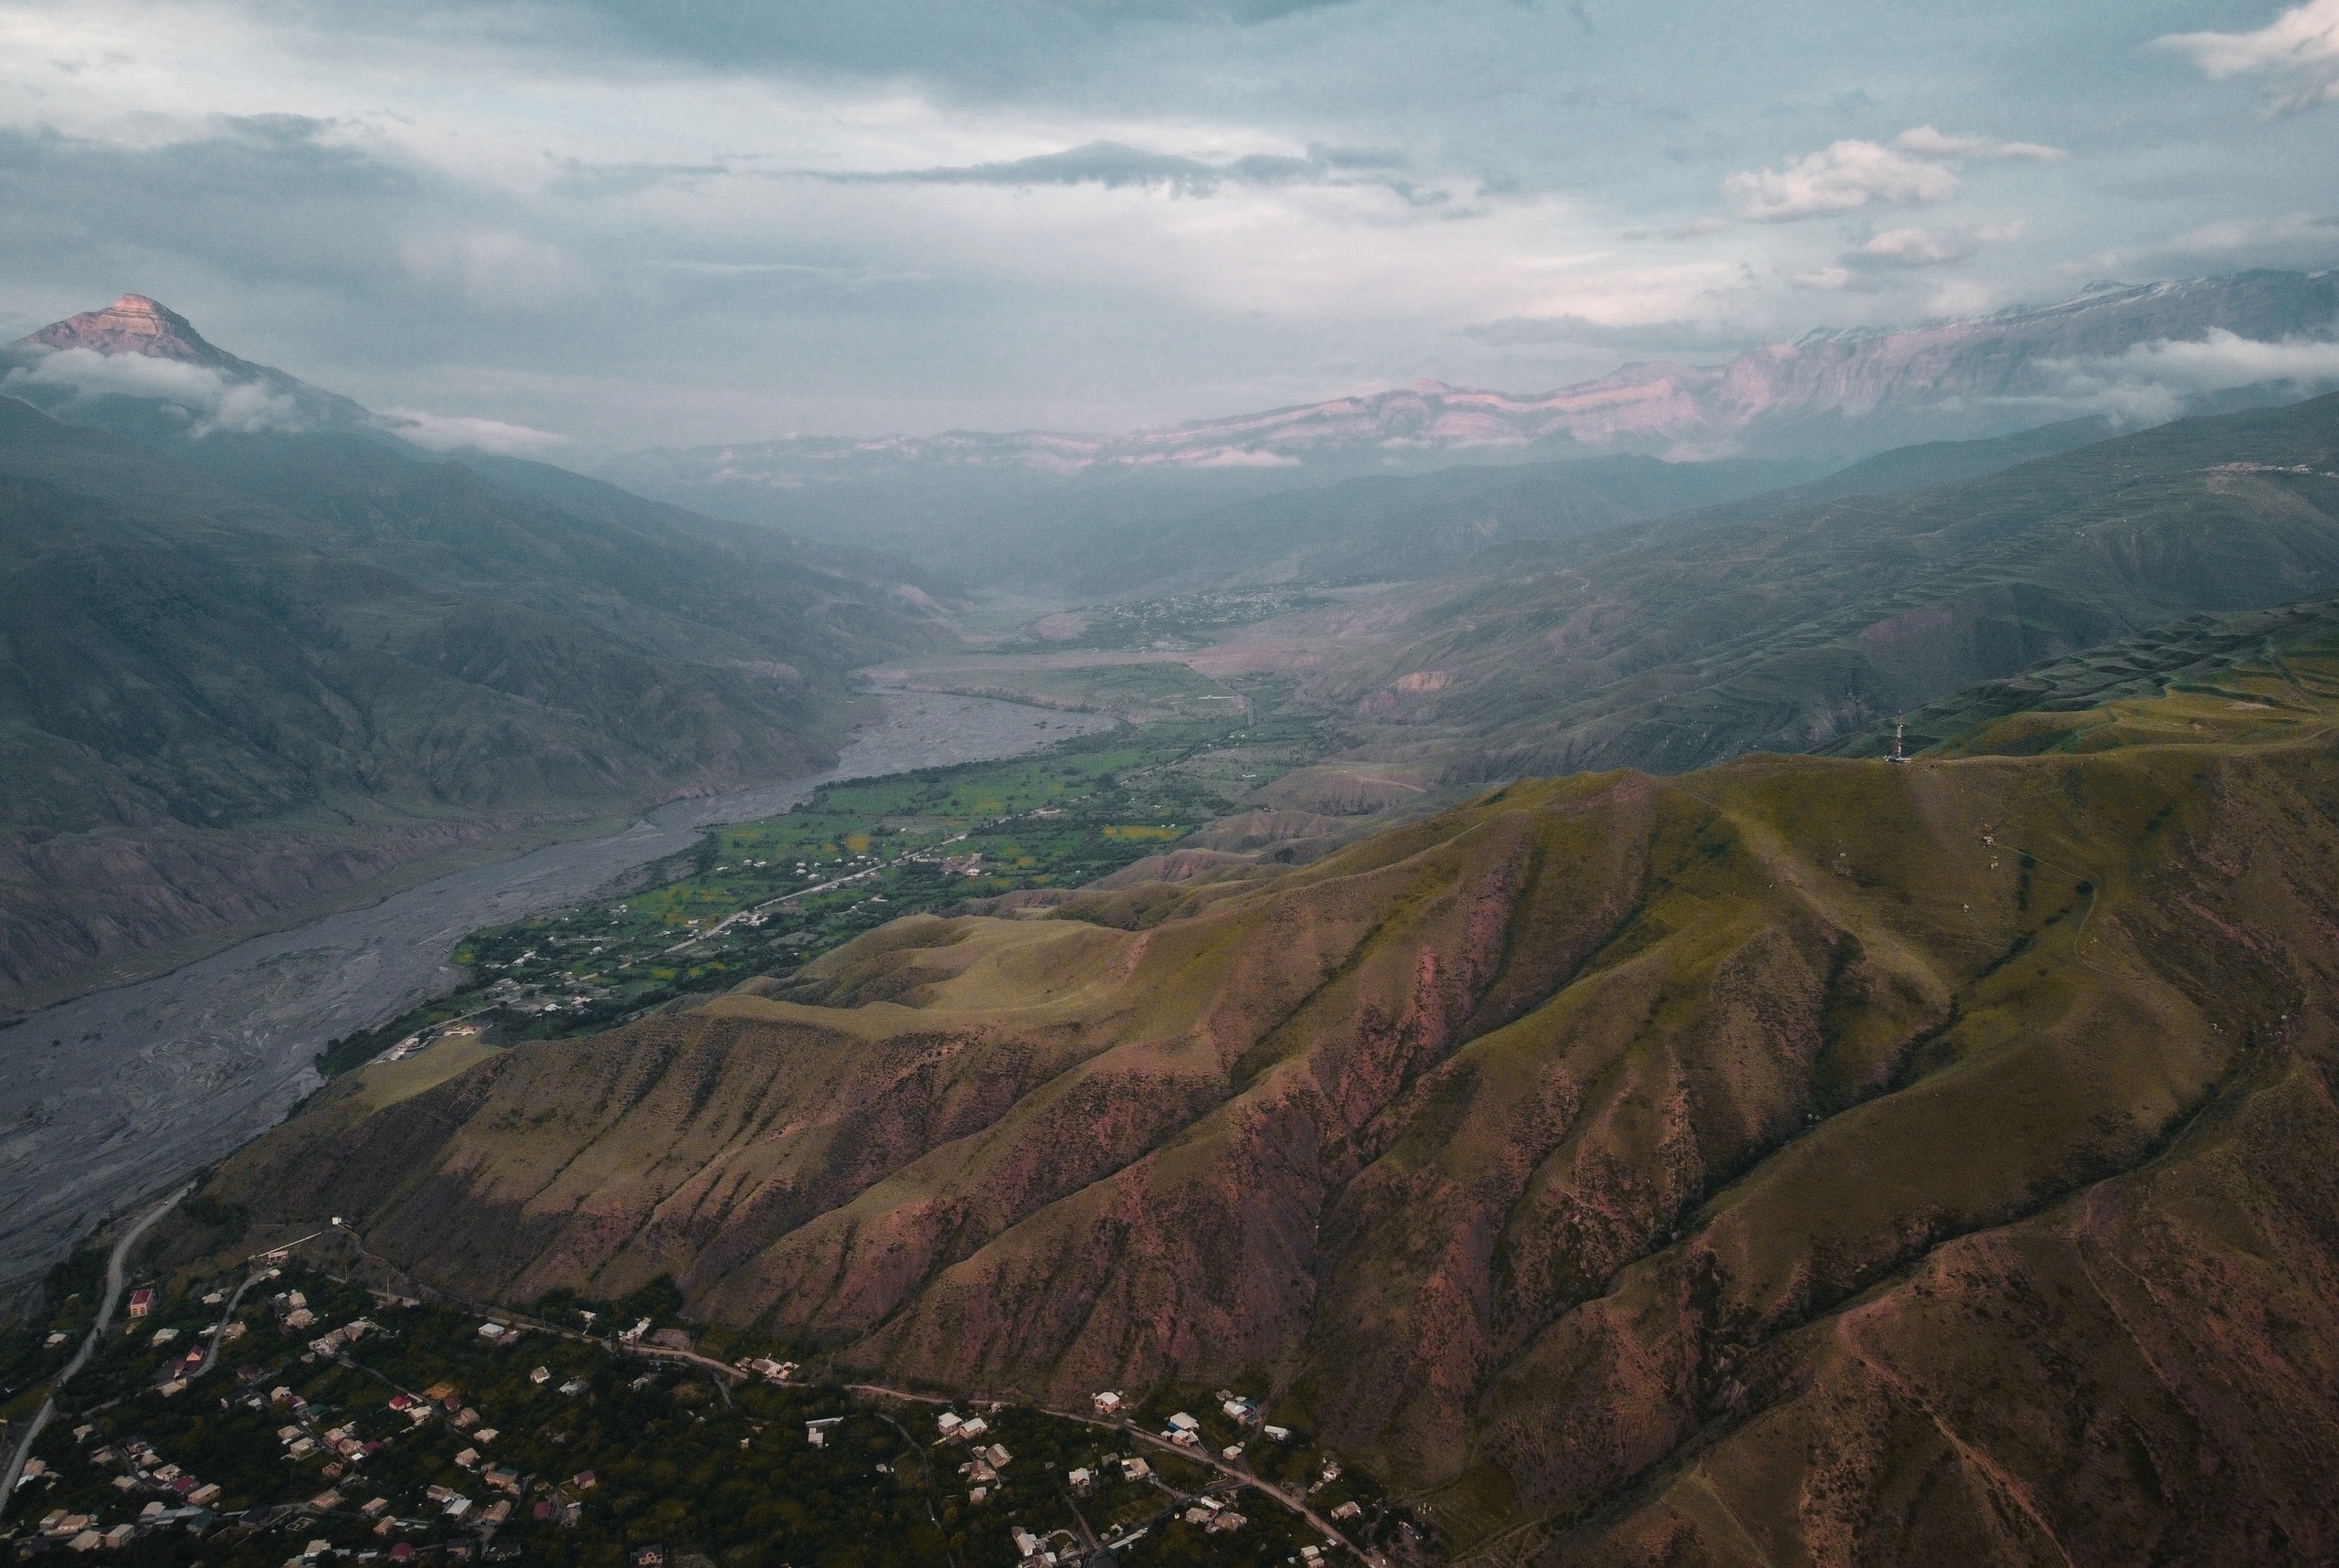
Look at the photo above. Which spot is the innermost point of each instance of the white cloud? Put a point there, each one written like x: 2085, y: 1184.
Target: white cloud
x: 2297, y: 53
x: 1928, y: 142
x: 2150, y: 381
x: 206, y: 398
x: 2295, y: 239
x: 445, y: 432
x: 1837, y: 178
x: 1236, y: 457
x: 1824, y: 279
x: 1916, y: 247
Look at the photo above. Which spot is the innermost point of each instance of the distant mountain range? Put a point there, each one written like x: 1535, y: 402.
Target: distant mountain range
x: 1839, y: 393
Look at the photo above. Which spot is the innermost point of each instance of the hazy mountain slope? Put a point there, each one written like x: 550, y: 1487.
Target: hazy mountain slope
x: 1100, y: 541
x: 239, y: 670
x: 1904, y: 468
x: 1699, y: 639
x: 1875, y: 1163
x: 1099, y: 538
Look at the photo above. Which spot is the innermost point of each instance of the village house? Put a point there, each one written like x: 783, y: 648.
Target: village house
x: 142, y: 1301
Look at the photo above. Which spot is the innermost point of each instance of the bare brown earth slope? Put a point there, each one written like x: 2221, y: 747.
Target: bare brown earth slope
x: 1804, y: 1160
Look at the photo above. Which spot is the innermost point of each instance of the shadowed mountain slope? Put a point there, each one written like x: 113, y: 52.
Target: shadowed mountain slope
x: 1102, y: 539
x: 1804, y: 1160
x: 1686, y: 640
x: 2191, y: 655
x: 241, y: 671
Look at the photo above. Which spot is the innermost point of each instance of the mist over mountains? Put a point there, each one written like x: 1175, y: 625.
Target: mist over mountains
x: 1832, y: 395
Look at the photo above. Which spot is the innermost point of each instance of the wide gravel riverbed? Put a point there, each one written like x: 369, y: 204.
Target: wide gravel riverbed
x: 115, y: 1094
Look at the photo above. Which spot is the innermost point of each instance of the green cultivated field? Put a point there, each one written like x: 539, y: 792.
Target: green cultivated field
x: 763, y: 897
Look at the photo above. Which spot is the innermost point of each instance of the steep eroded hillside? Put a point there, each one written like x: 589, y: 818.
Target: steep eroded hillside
x: 1806, y: 1159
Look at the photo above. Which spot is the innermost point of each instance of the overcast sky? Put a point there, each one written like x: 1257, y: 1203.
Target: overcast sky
x: 630, y: 223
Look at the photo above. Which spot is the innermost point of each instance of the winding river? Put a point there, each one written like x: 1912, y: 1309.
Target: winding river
x: 113, y: 1096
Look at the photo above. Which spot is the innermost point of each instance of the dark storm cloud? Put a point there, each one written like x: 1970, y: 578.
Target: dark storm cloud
x: 264, y: 196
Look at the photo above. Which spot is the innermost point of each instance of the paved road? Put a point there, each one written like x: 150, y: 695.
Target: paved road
x: 115, y: 1268
x: 113, y: 1096
x: 226, y: 1315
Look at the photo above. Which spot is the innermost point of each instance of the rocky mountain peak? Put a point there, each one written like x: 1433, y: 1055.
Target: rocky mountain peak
x: 132, y: 325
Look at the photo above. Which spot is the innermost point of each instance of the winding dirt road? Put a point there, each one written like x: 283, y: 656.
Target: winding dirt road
x: 114, y: 1266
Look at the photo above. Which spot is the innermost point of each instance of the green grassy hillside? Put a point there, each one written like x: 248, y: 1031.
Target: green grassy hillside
x: 241, y: 671
x: 1803, y: 1159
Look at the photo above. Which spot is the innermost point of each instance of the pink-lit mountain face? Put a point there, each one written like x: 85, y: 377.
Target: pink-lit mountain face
x: 134, y: 325
x: 139, y: 364
x: 1846, y: 391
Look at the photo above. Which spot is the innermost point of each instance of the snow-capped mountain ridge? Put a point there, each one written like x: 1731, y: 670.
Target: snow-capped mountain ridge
x: 1970, y: 375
